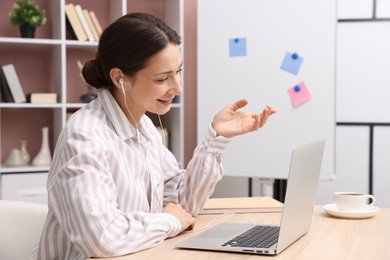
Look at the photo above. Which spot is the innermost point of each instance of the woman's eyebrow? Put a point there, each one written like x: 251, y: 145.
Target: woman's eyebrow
x: 168, y: 72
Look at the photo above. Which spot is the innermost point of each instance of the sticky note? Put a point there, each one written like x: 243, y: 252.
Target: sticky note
x: 291, y: 63
x: 299, y: 94
x: 237, y: 47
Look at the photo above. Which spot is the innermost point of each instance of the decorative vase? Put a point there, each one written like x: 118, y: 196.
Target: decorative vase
x: 15, y: 159
x: 27, y: 31
x: 43, y: 158
x: 86, y: 98
x: 23, y: 150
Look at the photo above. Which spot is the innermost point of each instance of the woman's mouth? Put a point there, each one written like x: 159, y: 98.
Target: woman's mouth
x: 165, y: 102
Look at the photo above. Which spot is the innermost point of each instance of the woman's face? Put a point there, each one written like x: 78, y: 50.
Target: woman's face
x: 154, y: 87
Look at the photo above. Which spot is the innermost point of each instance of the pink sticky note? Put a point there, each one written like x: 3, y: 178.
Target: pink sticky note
x: 299, y: 94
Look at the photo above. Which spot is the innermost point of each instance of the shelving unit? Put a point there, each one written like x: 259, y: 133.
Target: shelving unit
x: 47, y: 63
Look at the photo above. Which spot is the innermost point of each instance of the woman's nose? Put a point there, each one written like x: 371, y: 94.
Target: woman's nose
x: 176, y: 88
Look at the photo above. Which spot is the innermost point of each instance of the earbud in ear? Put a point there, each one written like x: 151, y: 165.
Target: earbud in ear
x: 121, y: 83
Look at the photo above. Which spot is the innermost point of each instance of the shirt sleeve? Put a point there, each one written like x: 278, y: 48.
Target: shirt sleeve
x: 193, y: 186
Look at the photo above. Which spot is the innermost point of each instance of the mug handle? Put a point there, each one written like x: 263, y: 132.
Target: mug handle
x: 373, y: 200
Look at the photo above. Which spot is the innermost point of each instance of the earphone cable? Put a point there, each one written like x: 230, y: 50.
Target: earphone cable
x: 135, y: 122
x: 162, y: 128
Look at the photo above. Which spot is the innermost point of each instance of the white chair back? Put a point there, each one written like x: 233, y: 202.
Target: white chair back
x: 21, y: 225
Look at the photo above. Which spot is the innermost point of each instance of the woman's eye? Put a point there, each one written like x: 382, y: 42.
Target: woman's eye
x: 162, y: 80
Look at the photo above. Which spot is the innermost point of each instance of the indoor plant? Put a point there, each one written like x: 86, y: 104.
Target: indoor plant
x: 28, y: 16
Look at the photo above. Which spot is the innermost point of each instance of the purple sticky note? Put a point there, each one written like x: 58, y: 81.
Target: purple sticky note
x: 237, y: 47
x: 299, y: 94
x: 291, y: 63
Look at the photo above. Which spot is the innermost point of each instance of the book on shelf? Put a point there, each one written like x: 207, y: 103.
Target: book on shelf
x: 84, y: 23
x: 87, y: 16
x: 74, y: 24
x: 14, y: 83
x: 96, y: 23
x: 6, y: 95
x: 42, y: 98
x: 241, y: 205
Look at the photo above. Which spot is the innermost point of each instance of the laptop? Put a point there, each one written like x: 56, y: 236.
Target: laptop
x: 304, y: 172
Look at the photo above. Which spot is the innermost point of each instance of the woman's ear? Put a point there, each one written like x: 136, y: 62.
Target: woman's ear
x: 116, y: 74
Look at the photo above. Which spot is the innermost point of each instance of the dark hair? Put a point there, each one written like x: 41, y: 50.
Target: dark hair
x: 127, y: 44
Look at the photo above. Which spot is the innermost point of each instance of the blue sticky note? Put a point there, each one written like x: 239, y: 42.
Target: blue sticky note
x: 237, y: 47
x: 291, y: 63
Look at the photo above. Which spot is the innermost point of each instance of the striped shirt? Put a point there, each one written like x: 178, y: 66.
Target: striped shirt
x: 107, y: 188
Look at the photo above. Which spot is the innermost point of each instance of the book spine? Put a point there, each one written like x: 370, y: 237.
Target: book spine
x: 5, y: 91
x: 36, y: 98
x: 84, y: 23
x: 70, y: 29
x: 74, y: 22
x: 14, y: 83
x: 96, y: 23
x: 90, y: 24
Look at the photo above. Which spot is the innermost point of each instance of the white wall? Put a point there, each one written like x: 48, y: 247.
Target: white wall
x: 362, y: 106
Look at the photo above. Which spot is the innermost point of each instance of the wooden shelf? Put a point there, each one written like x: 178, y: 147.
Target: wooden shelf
x: 24, y: 169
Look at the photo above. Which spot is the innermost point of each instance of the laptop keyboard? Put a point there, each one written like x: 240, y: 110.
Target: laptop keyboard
x: 257, y: 237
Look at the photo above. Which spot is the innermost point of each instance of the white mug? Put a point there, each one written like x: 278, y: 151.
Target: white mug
x: 353, y: 201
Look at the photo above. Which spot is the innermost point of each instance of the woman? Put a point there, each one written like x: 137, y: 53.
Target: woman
x: 113, y: 187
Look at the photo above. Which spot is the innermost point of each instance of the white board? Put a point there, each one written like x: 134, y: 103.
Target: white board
x: 271, y: 29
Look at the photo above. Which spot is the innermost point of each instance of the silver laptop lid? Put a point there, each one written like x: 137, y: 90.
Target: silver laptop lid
x: 301, y: 192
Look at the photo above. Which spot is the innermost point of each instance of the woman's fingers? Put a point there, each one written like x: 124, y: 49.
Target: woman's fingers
x: 238, y: 104
x: 262, y: 118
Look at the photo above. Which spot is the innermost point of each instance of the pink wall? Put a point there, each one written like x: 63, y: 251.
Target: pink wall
x: 37, y: 63
x: 190, y: 78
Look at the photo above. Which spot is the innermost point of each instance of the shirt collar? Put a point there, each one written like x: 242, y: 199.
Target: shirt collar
x: 121, y: 124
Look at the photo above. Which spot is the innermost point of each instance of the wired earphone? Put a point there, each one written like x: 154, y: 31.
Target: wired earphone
x: 121, y: 82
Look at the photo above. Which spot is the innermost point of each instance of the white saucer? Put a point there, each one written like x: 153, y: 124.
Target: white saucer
x: 332, y: 210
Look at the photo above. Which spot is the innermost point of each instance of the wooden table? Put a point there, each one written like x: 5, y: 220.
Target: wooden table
x: 328, y: 238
